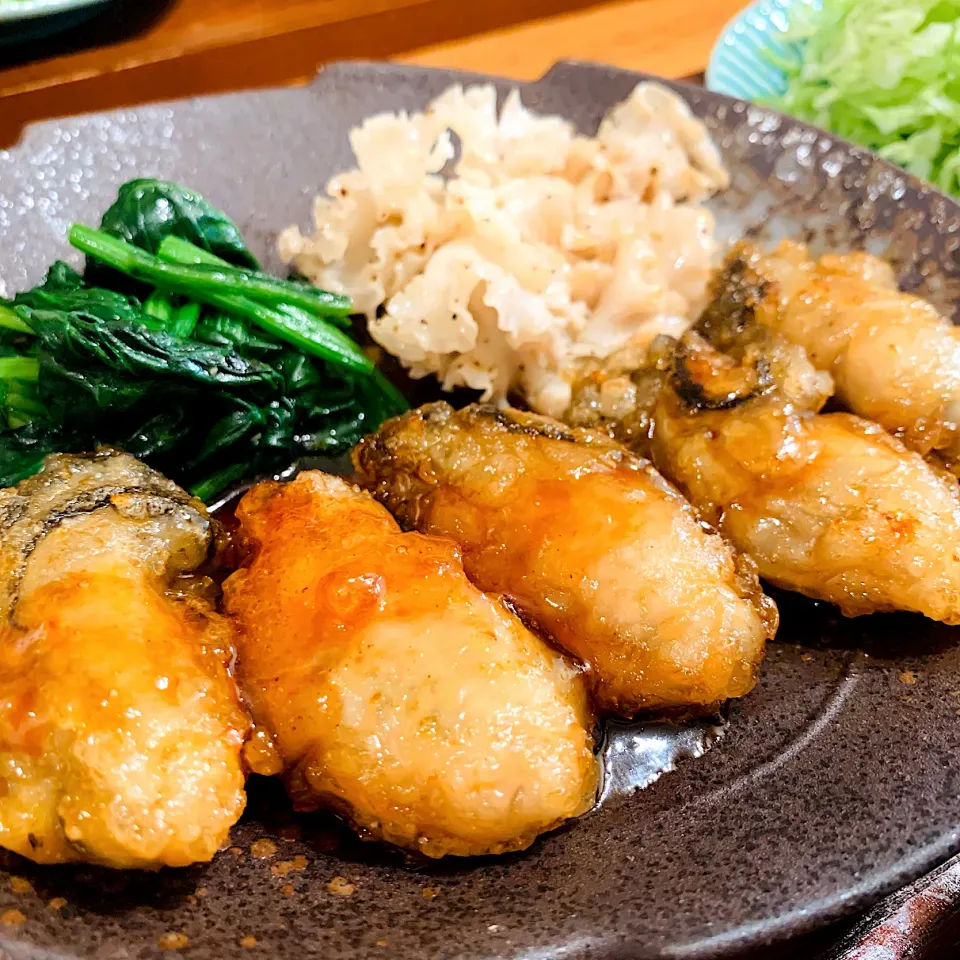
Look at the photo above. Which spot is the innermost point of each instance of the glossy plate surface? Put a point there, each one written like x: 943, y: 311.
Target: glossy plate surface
x: 837, y: 780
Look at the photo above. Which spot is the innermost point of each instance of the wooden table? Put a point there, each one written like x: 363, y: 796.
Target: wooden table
x: 140, y: 50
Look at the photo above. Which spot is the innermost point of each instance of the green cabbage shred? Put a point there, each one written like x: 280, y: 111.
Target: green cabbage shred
x: 884, y: 74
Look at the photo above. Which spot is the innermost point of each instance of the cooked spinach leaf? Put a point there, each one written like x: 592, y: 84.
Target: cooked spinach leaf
x: 146, y: 211
x: 22, y: 450
x: 252, y: 296
x: 77, y: 338
x: 213, y: 371
x: 60, y: 278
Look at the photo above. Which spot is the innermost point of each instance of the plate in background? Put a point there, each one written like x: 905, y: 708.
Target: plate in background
x: 22, y: 20
x: 744, y: 60
x: 839, y: 777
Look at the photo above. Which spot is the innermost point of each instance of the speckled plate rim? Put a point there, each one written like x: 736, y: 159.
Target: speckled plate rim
x: 871, y: 885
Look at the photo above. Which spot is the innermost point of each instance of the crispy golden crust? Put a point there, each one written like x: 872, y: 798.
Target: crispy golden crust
x: 727, y: 360
x: 587, y: 541
x: 73, y: 484
x: 395, y: 691
x: 120, y: 728
x: 895, y: 360
x: 829, y: 505
x: 409, y: 456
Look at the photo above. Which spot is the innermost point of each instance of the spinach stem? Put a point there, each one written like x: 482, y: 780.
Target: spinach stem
x: 11, y: 320
x: 397, y: 401
x: 158, y: 306
x: 213, y: 484
x: 197, y: 279
x: 177, y: 250
x: 23, y: 404
x: 184, y: 320
x: 315, y: 337
x: 311, y: 334
x: 16, y: 420
x: 19, y: 368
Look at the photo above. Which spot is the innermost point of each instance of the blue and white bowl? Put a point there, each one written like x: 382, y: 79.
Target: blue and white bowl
x: 744, y: 59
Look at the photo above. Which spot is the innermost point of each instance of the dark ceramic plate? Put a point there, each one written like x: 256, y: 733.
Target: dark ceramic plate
x: 838, y: 778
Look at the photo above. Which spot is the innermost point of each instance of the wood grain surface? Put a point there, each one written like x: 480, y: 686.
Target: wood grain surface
x: 672, y: 38
x: 135, y: 51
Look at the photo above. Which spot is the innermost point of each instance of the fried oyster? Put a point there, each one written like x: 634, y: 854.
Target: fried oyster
x: 893, y: 358
x: 829, y: 505
x: 394, y: 691
x: 120, y: 728
x: 588, y: 542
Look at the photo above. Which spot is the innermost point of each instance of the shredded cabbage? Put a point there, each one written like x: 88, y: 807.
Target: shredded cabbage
x: 884, y: 74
